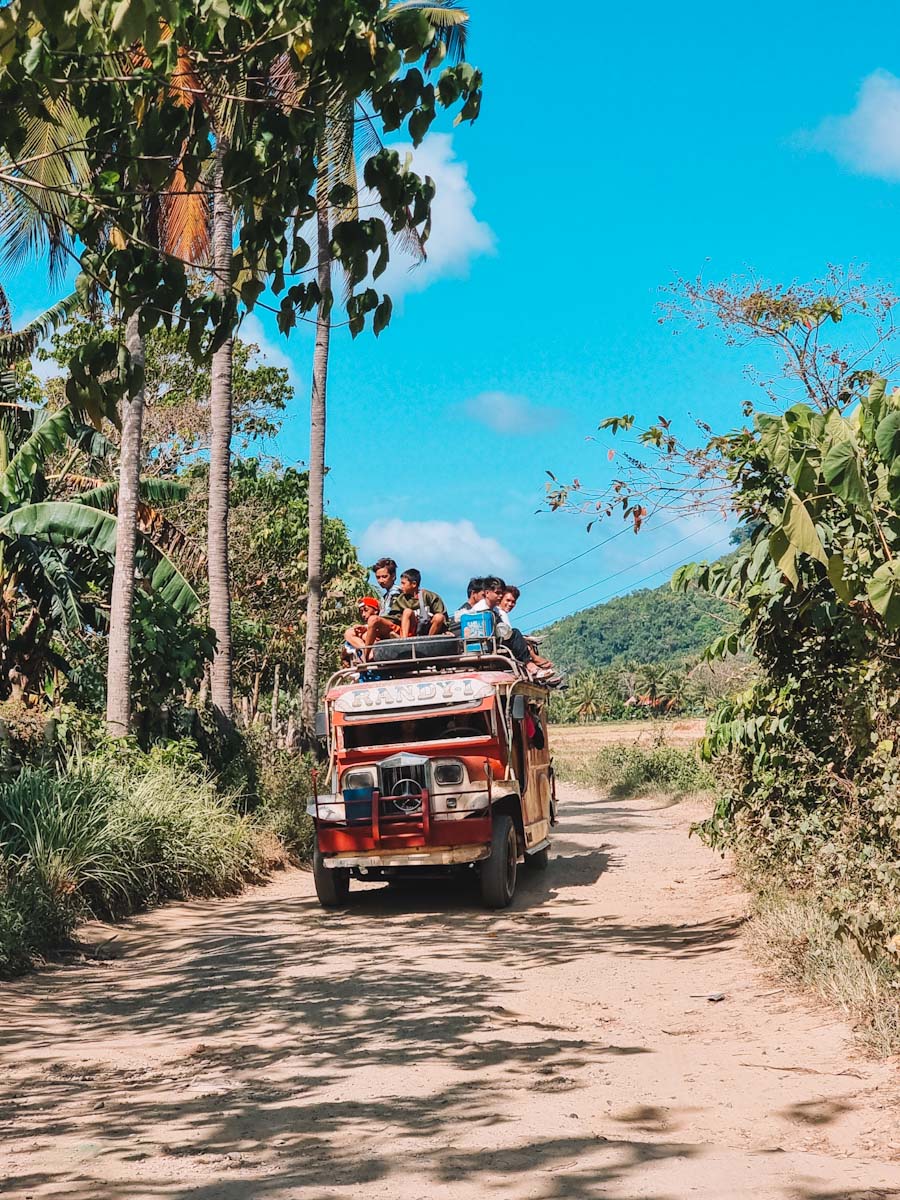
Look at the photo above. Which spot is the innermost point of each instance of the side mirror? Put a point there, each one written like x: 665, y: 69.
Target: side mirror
x: 321, y: 725
x: 518, y: 708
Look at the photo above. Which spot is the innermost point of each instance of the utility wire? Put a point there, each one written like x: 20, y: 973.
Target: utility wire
x: 624, y: 571
x: 596, y: 546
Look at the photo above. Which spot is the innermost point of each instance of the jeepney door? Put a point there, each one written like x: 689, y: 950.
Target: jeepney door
x: 536, y: 784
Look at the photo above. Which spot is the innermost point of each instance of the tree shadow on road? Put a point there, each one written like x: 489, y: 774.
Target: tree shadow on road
x: 264, y: 1048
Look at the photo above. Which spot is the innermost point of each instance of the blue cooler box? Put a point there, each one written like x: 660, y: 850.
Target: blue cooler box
x: 358, y: 805
x: 476, y: 628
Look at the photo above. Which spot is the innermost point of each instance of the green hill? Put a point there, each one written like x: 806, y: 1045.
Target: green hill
x: 650, y: 625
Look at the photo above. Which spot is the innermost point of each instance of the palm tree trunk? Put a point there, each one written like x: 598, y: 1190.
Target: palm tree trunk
x: 220, y: 463
x: 275, y: 689
x: 310, y: 697
x: 118, y: 671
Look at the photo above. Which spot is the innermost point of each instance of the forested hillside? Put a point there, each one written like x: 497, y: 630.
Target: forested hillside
x: 651, y: 625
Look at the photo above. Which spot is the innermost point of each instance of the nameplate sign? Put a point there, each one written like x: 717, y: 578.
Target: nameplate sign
x: 383, y: 696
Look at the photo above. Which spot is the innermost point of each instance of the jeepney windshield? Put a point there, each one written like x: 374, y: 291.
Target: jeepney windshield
x: 435, y: 728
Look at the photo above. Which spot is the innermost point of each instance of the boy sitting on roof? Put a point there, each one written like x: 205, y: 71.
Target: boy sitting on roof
x: 420, y: 612
x: 380, y: 623
x: 513, y: 639
x: 474, y: 593
x: 354, y: 647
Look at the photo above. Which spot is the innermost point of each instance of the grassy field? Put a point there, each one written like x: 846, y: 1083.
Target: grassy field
x: 577, y: 742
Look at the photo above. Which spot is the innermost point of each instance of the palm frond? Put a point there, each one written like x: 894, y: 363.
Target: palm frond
x: 5, y: 313
x: 184, y: 219
x: 50, y: 164
x: 185, y: 87
x: 446, y: 18
x: 14, y: 346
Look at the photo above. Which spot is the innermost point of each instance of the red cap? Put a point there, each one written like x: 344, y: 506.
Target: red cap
x: 368, y: 601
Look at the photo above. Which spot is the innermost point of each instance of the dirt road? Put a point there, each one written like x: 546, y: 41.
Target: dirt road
x: 260, y: 1049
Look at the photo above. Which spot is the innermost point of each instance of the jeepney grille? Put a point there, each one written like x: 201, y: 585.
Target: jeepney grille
x: 403, y: 786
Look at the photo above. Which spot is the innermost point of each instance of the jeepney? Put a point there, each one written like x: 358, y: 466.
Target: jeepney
x: 438, y: 763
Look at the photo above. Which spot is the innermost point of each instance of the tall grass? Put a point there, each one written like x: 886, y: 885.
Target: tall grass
x: 105, y: 839
x: 794, y: 935
x: 633, y: 770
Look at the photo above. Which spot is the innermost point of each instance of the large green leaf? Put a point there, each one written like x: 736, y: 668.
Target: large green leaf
x: 49, y: 434
x: 884, y: 592
x: 784, y: 555
x: 837, y: 578
x: 872, y: 407
x: 775, y: 440
x: 802, y: 473
x: 800, y: 531
x: 62, y: 522
x: 152, y: 491
x: 840, y: 468
x: 887, y: 437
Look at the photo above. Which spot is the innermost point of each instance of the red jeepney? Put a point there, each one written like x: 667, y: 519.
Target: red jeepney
x: 436, y: 764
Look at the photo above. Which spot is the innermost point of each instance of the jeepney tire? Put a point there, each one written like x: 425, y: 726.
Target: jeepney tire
x: 539, y: 861
x: 332, y: 883
x: 498, y: 873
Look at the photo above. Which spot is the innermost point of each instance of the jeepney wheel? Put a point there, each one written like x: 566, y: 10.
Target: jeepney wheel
x: 498, y: 873
x: 332, y: 883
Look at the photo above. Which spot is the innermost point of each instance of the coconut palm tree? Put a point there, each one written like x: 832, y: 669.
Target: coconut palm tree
x: 33, y: 215
x: 220, y: 405
x: 340, y: 124
x: 586, y: 698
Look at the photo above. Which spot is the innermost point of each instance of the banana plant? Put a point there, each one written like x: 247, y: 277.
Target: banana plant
x: 56, y: 554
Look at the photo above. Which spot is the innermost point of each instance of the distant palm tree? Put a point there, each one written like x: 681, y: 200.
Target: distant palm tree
x: 587, y: 700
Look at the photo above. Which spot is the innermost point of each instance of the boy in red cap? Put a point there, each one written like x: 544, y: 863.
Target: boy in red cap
x: 354, y: 647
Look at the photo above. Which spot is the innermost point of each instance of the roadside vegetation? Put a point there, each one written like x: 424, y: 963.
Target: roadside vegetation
x: 807, y: 753
x: 170, y: 596
x: 644, y: 692
x: 634, y: 770
x: 100, y: 828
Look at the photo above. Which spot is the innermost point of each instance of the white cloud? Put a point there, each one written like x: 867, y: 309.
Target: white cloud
x: 273, y: 352
x: 457, y: 236
x: 448, y: 548
x: 867, y: 139
x: 505, y: 412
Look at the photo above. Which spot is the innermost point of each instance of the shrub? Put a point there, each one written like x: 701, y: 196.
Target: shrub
x: 284, y: 784
x: 105, y: 838
x: 630, y: 770
x: 32, y: 921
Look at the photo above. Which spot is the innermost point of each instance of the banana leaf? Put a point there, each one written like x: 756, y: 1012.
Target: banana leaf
x: 64, y: 523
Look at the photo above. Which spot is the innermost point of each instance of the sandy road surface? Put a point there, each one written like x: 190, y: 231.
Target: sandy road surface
x: 260, y: 1049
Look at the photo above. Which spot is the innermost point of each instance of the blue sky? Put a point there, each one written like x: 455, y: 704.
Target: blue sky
x: 616, y: 148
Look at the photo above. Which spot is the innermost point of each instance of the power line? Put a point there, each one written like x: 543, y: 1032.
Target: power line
x: 591, y: 549
x: 625, y: 570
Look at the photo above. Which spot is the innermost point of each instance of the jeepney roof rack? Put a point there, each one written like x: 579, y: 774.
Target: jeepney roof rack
x: 497, y: 658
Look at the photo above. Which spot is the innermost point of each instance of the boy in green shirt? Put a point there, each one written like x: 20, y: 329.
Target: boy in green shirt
x: 418, y: 610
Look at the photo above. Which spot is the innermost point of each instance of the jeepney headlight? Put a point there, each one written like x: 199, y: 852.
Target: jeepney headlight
x: 358, y: 779
x: 448, y: 773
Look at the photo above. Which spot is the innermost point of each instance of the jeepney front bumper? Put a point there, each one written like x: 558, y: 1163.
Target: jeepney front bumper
x: 432, y: 856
